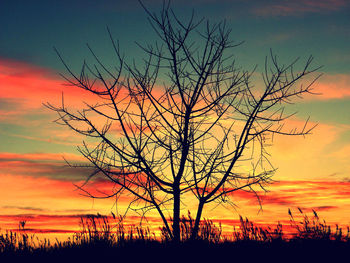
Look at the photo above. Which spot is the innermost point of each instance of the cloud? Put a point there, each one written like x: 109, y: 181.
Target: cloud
x: 69, y: 140
x: 42, y: 223
x: 42, y: 165
x: 58, y: 174
x: 30, y: 209
x: 274, y: 38
x: 298, y: 7
x: 46, y: 231
x: 336, y: 86
x: 27, y: 86
x: 54, y: 168
x: 266, y: 198
x: 68, y: 223
x: 327, y: 197
x: 325, y: 208
x: 26, y: 208
x: 317, y: 195
x: 39, y: 156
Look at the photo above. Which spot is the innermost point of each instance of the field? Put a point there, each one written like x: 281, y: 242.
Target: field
x: 100, y: 239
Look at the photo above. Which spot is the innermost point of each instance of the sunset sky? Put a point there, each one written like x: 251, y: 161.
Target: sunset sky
x: 36, y: 185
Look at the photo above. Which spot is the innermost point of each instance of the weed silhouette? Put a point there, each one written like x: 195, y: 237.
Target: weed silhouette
x: 99, y: 237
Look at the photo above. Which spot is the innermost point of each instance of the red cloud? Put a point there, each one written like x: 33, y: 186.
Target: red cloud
x: 299, y: 7
x: 24, y: 88
x: 42, y: 165
x: 29, y: 86
x: 66, y: 224
x: 284, y: 194
x: 268, y: 198
x: 39, y: 156
x: 306, y: 194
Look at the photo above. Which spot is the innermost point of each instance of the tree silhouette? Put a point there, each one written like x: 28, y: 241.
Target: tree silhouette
x: 185, y: 123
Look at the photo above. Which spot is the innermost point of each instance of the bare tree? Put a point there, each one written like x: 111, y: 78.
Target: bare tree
x: 188, y: 119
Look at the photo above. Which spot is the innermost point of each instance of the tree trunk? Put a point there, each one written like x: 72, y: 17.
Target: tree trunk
x: 196, y: 223
x: 176, y: 219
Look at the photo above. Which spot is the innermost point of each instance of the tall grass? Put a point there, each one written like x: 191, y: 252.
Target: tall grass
x: 98, y: 232
x: 316, y: 229
x: 208, y: 231
x: 247, y: 231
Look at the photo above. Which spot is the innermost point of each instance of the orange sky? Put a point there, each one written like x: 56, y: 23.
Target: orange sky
x: 37, y: 186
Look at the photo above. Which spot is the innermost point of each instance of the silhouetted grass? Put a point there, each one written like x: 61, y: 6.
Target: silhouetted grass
x: 101, y: 238
x: 208, y: 231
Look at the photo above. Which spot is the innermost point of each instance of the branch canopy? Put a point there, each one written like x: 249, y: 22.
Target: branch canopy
x: 185, y: 121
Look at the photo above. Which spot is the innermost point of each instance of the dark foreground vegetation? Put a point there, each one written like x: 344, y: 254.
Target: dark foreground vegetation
x: 311, y: 239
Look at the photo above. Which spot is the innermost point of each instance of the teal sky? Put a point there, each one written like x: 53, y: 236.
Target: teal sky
x: 30, y: 29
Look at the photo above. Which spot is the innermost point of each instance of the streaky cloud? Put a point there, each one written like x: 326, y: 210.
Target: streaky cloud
x: 298, y: 7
